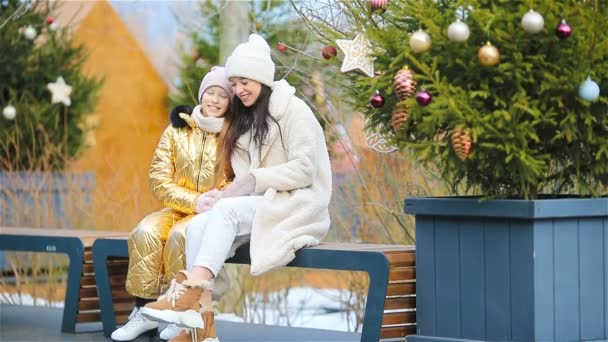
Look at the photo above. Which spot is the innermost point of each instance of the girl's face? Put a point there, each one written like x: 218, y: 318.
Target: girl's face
x: 246, y: 90
x: 215, y: 102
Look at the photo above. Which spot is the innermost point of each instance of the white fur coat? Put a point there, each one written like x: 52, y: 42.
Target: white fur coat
x: 295, y: 177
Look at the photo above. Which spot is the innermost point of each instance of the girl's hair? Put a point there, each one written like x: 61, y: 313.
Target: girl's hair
x: 223, y: 169
x: 241, y: 118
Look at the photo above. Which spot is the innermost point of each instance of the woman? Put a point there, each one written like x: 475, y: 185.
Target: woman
x: 279, y: 198
x: 184, y: 166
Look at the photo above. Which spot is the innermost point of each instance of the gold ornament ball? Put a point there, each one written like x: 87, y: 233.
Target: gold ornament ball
x: 420, y: 41
x: 488, y: 55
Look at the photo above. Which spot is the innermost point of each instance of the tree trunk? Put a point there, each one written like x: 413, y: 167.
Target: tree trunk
x: 234, y: 26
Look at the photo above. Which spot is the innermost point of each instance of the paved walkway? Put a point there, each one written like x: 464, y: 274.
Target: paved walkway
x: 29, y: 323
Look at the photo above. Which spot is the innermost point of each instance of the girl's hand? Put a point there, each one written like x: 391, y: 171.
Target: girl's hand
x: 207, y: 200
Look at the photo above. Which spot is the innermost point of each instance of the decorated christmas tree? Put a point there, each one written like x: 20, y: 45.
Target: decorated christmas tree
x: 44, y: 96
x: 503, y: 98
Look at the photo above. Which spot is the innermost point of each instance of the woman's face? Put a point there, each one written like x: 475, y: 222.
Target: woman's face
x: 215, y: 102
x: 246, y: 90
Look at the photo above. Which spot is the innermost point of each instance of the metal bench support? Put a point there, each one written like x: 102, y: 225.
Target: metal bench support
x: 73, y: 247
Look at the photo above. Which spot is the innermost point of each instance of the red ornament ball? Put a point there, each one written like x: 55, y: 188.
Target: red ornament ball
x: 378, y: 5
x: 424, y: 98
x: 50, y: 20
x: 376, y: 100
x: 563, y: 30
x: 282, y: 47
x: 329, y: 52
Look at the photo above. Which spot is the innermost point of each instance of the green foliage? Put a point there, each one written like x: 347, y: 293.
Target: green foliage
x: 43, y: 135
x: 532, y: 132
x: 198, y: 59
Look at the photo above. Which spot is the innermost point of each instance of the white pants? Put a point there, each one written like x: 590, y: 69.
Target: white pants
x: 211, y: 235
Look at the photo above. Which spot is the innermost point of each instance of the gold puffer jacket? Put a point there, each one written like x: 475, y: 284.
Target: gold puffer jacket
x: 182, y: 168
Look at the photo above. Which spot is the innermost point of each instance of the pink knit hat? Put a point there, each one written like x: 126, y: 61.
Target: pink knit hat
x: 216, y: 77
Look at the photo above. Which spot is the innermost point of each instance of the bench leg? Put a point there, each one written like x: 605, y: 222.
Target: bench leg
x: 377, y: 267
x: 102, y: 250
x: 378, y: 270
x: 75, y: 252
x: 74, y: 249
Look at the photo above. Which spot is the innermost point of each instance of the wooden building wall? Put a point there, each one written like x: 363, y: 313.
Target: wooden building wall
x: 131, y: 116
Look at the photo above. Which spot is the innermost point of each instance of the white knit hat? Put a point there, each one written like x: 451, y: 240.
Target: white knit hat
x: 252, y: 60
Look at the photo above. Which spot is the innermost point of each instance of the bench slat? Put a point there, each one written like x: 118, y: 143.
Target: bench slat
x: 88, y: 254
x: 88, y: 317
x: 124, y: 306
x: 401, y: 288
x: 398, y: 331
x: 114, y: 268
x: 397, y: 303
x: 115, y: 280
x: 122, y: 318
x: 88, y: 292
x: 401, y: 259
x: 402, y: 273
x: 121, y: 293
x: 88, y: 269
x: 399, y: 318
x: 88, y: 304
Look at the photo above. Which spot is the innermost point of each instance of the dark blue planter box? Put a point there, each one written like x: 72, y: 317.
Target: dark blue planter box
x: 511, y: 270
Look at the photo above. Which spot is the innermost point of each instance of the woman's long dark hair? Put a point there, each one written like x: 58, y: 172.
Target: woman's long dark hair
x: 242, y: 118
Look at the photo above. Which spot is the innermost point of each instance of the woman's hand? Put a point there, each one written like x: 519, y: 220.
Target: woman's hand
x: 207, y: 200
x: 240, y: 187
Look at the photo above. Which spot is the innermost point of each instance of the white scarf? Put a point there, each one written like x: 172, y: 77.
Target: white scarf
x: 207, y: 123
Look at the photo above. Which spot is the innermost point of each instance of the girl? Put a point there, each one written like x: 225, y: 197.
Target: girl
x: 184, y: 166
x: 279, y: 198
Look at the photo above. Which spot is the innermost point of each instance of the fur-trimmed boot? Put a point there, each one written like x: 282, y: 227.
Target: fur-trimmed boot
x: 180, y: 304
x: 208, y: 333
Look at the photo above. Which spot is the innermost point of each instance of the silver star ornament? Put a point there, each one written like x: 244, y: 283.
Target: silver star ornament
x: 60, y: 91
x: 357, y: 55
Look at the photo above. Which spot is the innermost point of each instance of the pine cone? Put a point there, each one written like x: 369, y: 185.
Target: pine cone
x: 404, y: 83
x: 462, y: 142
x: 319, y: 88
x: 399, y: 119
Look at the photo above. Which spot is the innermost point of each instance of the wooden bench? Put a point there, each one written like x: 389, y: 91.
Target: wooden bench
x: 391, y: 302
x: 81, y: 301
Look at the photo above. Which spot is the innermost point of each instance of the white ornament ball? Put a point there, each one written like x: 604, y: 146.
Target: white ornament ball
x: 53, y: 26
x: 9, y: 112
x: 532, y: 22
x: 420, y: 41
x: 589, y: 90
x: 30, y: 33
x: 458, y: 31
